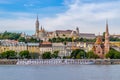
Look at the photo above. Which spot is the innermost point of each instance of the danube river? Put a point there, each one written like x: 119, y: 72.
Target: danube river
x: 60, y: 72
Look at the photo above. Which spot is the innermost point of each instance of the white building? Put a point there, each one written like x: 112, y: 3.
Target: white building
x: 59, y: 47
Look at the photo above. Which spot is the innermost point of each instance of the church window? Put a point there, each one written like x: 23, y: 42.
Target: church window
x: 99, y: 52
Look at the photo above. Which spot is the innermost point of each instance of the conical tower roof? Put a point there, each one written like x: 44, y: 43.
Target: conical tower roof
x: 107, y: 31
x: 98, y: 40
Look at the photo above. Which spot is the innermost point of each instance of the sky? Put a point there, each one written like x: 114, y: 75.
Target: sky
x: 89, y: 15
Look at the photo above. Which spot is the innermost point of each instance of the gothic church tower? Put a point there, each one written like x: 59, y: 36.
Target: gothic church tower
x: 107, y: 46
x: 37, y: 27
x: 77, y: 31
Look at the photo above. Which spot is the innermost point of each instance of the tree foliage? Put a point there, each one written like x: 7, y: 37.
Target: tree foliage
x: 55, y: 54
x: 24, y: 54
x: 91, y: 54
x: 9, y: 35
x: 113, y: 54
x: 66, y: 39
x: 21, y: 39
x: 8, y: 55
x: 78, y: 53
x: 46, y: 55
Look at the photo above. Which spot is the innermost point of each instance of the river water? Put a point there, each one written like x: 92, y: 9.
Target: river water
x: 60, y: 72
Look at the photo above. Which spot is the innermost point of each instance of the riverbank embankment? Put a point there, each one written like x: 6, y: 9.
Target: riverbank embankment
x: 58, y: 61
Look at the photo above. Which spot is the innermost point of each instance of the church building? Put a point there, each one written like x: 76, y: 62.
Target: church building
x: 40, y: 34
x: 101, y: 48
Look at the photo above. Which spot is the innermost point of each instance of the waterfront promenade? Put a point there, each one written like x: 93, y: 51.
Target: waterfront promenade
x: 57, y: 61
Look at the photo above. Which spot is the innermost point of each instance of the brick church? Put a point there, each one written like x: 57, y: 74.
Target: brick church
x: 101, y: 48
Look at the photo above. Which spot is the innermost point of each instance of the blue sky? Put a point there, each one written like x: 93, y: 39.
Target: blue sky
x: 88, y: 15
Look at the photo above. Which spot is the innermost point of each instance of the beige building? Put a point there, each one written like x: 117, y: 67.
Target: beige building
x: 64, y: 33
x: 45, y: 47
x: 19, y: 46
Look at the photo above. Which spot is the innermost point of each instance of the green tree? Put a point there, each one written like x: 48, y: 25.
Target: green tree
x: 55, y: 54
x: 91, y: 54
x: 9, y: 35
x: 113, y: 54
x: 9, y: 54
x: 81, y: 52
x: 46, y: 55
x: 117, y: 55
x: 24, y: 54
x: 78, y: 56
x: 21, y: 39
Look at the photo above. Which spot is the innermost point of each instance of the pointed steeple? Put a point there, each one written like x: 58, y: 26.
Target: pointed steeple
x: 107, y: 31
x: 37, y: 20
x: 107, y: 46
x: 37, y: 26
x: 77, y: 31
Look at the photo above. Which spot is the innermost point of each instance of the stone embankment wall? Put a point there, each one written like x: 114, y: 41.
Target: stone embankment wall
x: 7, y: 62
x: 107, y: 61
x: 60, y: 61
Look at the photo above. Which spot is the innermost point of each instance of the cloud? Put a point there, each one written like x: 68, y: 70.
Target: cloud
x: 18, y: 22
x: 28, y: 5
x: 89, y: 17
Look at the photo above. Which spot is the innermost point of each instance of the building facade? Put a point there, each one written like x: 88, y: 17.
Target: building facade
x: 40, y: 33
x: 101, y: 48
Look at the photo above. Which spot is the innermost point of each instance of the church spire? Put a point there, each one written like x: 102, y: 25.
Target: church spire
x: 107, y: 31
x: 107, y: 46
x: 37, y: 26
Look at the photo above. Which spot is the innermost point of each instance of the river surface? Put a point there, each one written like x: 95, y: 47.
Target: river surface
x: 60, y: 72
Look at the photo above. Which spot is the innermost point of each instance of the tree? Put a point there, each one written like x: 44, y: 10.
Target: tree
x: 78, y: 56
x: 55, y: 54
x: 78, y: 52
x: 3, y: 55
x: 21, y: 39
x: 117, y: 55
x: 9, y: 35
x: 91, y: 54
x: 113, y: 54
x: 24, y: 54
x: 9, y: 54
x: 46, y: 55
